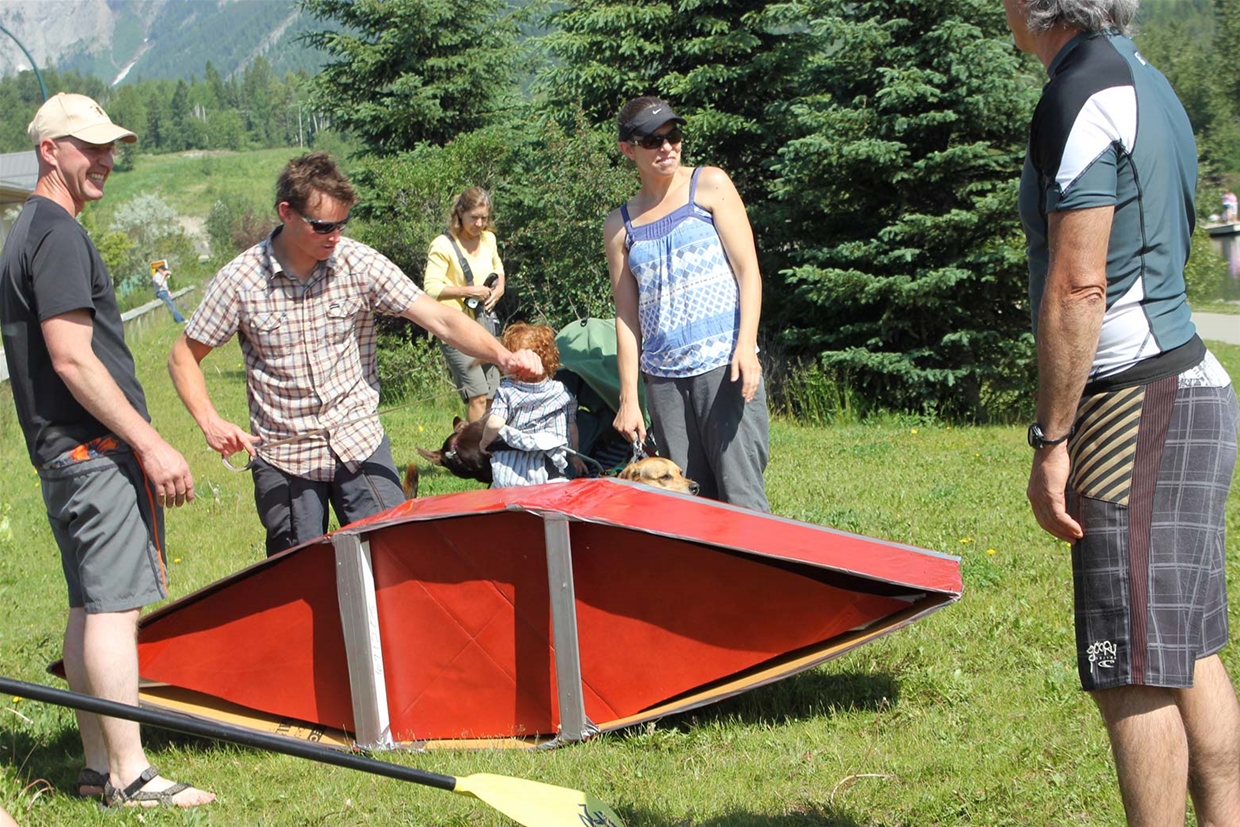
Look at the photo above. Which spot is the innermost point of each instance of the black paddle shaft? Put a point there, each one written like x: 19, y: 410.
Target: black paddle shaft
x: 224, y: 732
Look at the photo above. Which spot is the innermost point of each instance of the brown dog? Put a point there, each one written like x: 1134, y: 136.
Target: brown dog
x: 461, y: 454
x: 660, y: 473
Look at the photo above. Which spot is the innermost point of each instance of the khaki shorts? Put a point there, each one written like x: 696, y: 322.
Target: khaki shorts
x: 471, y: 377
x: 110, y: 532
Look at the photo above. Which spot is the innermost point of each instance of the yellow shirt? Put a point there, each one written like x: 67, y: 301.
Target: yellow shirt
x: 443, y: 269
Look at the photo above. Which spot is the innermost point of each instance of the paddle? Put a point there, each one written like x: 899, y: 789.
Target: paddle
x: 526, y: 802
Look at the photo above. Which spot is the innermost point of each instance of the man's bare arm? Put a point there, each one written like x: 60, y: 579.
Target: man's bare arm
x: 185, y: 368
x: 68, y: 337
x: 1069, y: 325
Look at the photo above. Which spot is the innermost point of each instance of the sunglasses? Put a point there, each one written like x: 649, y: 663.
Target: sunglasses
x: 672, y: 136
x: 325, y: 227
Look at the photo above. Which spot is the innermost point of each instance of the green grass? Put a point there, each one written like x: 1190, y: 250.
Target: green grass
x: 1231, y: 307
x: 969, y: 717
x: 190, y: 182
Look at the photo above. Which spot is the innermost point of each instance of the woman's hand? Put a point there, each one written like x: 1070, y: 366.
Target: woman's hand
x: 747, y: 368
x: 629, y: 423
x: 497, y: 293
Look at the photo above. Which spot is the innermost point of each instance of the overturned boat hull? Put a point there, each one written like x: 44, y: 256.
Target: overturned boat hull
x: 523, y: 615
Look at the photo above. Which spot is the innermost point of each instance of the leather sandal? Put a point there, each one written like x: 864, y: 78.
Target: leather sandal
x: 90, y: 783
x: 135, y: 796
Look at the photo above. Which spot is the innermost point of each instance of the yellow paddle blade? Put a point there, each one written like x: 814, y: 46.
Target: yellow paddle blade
x: 538, y: 805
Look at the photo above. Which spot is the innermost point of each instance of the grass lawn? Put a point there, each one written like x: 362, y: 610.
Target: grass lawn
x: 190, y: 182
x: 972, y: 716
x: 1231, y: 308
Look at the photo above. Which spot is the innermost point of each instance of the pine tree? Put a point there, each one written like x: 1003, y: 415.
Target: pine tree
x: 894, y: 205
x: 405, y: 71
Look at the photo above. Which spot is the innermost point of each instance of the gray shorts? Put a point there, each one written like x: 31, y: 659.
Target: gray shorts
x: 1152, y: 466
x: 471, y: 377
x: 110, y: 532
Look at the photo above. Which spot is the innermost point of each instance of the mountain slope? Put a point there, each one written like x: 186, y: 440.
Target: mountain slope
x: 124, y: 40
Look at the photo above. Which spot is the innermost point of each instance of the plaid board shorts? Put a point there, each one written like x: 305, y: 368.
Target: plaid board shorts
x: 108, y: 526
x: 1152, y: 466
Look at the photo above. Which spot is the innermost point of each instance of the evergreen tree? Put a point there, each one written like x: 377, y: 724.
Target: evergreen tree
x: 405, y: 71
x: 179, y: 116
x: 153, y: 138
x: 894, y: 205
x: 257, y: 91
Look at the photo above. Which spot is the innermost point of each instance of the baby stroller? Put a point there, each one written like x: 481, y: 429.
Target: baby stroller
x: 588, y: 370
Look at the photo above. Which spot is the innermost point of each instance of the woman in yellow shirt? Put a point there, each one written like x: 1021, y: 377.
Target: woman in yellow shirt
x: 470, y: 240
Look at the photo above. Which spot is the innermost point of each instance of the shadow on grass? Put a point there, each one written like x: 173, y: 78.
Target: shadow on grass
x: 806, y: 815
x: 57, y: 758
x: 813, y: 694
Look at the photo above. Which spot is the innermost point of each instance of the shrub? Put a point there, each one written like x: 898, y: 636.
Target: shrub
x: 552, y: 189
x: 410, y: 366
x: 147, y: 219
x: 1206, y: 275
x: 143, y: 229
x: 235, y: 226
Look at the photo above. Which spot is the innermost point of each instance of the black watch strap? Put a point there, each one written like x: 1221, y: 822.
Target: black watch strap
x: 1037, y: 437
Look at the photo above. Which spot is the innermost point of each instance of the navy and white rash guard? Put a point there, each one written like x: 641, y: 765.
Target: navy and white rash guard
x: 1109, y: 131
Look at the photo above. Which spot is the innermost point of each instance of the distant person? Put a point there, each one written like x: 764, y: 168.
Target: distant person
x: 1230, y: 207
x: 159, y: 280
x: 464, y: 273
x: 106, y: 474
x: 688, y: 294
x: 536, y: 419
x: 303, y: 304
x: 1134, y: 445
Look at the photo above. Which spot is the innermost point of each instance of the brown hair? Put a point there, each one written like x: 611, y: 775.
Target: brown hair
x: 538, y: 338
x: 311, y: 173
x: 466, y: 201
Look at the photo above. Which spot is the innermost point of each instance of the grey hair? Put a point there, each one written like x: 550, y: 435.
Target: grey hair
x: 1087, y: 15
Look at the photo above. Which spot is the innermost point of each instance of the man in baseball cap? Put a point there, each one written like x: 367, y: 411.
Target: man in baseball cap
x: 105, y: 472
x: 66, y: 115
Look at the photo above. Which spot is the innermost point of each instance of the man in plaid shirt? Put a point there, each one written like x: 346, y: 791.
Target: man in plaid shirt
x: 303, y: 305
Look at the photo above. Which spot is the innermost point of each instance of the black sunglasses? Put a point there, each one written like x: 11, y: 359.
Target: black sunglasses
x: 672, y: 136
x: 325, y: 227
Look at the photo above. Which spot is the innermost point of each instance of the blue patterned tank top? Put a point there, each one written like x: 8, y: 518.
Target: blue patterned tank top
x: 688, y: 303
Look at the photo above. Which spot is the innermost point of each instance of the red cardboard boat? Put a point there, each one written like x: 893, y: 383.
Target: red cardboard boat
x: 519, y: 615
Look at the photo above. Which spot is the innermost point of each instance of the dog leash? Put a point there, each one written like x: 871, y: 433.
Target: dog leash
x: 322, y: 432
x: 595, y: 465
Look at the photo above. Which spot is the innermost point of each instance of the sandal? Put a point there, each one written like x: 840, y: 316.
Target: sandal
x: 135, y: 796
x: 90, y: 783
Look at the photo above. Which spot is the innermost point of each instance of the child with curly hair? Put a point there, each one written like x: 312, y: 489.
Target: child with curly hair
x: 537, y: 420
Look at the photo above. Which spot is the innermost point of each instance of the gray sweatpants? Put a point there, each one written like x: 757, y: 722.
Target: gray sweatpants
x: 703, y: 424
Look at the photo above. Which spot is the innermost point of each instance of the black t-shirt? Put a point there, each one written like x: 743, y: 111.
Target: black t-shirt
x: 49, y: 267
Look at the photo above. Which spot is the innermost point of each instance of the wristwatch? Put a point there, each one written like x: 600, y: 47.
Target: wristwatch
x: 1037, y: 437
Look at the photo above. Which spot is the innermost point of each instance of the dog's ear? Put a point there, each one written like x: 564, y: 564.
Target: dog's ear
x: 630, y: 472
x: 433, y: 457
x: 458, y: 423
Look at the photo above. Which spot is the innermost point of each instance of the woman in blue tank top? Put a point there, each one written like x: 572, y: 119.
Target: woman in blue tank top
x: 688, y: 293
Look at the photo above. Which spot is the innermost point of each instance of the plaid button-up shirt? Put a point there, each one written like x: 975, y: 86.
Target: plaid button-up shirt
x: 309, y: 349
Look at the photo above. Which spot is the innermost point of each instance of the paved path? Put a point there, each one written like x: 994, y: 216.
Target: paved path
x: 1221, y: 327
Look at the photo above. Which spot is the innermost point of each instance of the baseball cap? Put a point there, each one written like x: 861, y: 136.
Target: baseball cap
x: 647, y: 121
x: 69, y: 115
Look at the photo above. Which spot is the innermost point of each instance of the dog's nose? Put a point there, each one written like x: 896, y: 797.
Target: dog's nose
x: 694, y: 488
